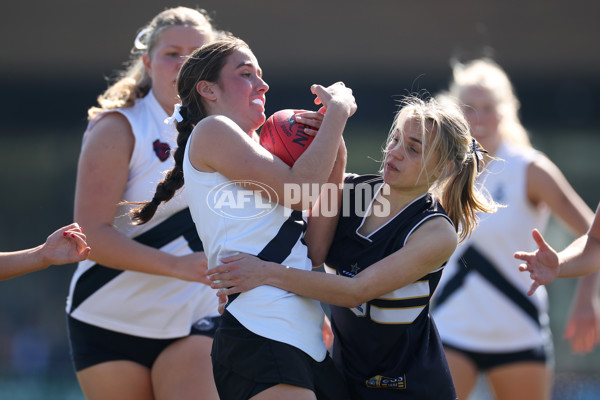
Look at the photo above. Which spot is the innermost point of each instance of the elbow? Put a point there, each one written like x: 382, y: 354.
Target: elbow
x: 316, y: 263
x: 317, y: 250
x: 359, y: 292
x: 94, y: 231
x: 296, y: 206
x: 307, y: 177
x: 354, y: 298
x: 316, y: 256
x: 353, y: 302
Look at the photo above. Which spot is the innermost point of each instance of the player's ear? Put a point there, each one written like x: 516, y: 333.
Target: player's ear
x: 205, y: 89
x: 147, y: 62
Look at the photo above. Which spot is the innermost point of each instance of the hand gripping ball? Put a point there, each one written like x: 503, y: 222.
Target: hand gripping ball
x: 284, y: 137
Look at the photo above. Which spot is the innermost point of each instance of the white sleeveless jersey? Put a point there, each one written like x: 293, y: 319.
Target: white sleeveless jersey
x: 483, y: 306
x: 232, y: 219
x: 137, y: 303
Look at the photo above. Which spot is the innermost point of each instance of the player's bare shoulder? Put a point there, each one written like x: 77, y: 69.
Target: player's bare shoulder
x: 439, y: 233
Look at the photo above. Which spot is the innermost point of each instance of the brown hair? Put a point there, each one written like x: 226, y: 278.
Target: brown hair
x: 204, y: 64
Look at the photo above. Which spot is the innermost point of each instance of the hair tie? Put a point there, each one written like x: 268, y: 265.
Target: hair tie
x: 476, y: 148
x: 177, y: 114
x: 138, y: 43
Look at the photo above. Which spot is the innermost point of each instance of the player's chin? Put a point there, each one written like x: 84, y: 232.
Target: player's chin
x: 257, y: 122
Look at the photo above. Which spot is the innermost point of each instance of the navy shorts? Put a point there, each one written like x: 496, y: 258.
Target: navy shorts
x: 487, y: 361
x: 245, y: 364
x: 91, y: 345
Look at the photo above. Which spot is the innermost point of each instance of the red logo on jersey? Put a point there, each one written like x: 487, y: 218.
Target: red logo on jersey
x: 162, y: 150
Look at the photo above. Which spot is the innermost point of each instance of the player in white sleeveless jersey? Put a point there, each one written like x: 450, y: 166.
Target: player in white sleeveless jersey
x: 484, y: 267
x: 140, y: 314
x: 485, y: 318
x: 268, y: 230
x: 269, y: 344
x: 126, y: 301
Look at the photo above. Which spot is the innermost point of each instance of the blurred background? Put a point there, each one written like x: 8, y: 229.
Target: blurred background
x: 56, y: 55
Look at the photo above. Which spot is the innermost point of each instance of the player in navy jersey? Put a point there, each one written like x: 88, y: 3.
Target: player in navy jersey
x: 386, y: 248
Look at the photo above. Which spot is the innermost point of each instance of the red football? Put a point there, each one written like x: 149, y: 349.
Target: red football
x: 284, y: 137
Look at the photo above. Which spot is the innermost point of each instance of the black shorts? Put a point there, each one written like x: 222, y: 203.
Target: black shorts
x: 486, y: 361
x: 245, y: 364
x: 91, y: 345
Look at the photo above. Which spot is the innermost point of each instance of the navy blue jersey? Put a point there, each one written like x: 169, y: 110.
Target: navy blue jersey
x: 388, y: 348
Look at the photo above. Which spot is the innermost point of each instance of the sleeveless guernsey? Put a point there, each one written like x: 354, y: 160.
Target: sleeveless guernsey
x: 232, y: 219
x: 388, y: 347
x: 482, y: 303
x: 132, y: 302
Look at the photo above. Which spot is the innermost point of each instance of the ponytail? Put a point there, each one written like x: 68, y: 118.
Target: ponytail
x: 462, y: 199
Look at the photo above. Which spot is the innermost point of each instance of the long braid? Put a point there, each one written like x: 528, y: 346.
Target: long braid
x: 173, y: 180
x: 204, y: 64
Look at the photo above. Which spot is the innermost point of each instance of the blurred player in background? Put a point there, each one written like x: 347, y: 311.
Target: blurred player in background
x: 485, y: 318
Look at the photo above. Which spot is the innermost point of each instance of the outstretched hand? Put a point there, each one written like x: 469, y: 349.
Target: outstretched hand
x: 65, y: 245
x: 542, y: 264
